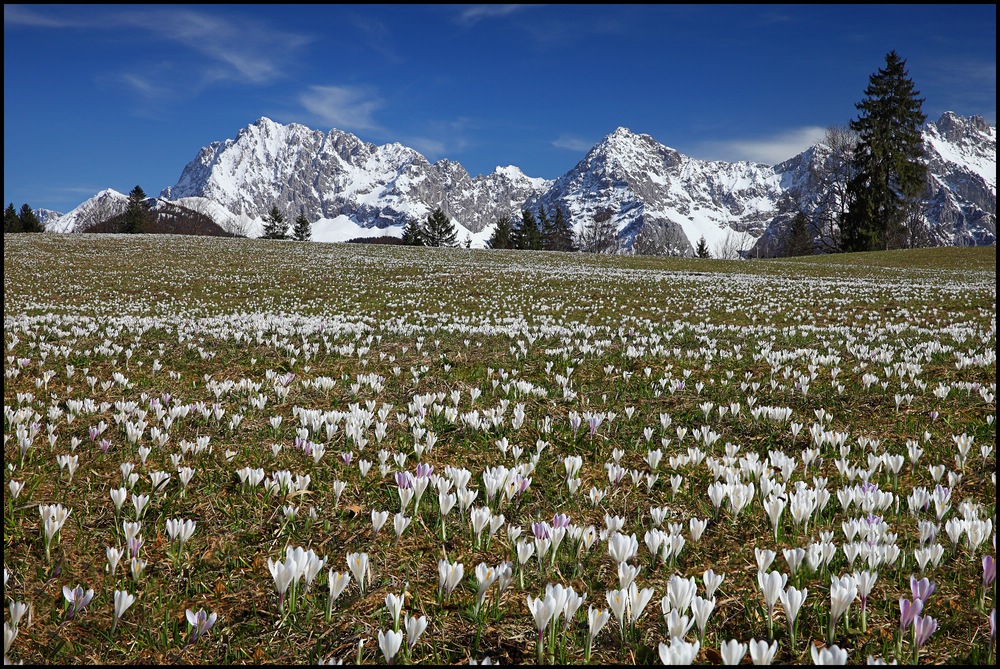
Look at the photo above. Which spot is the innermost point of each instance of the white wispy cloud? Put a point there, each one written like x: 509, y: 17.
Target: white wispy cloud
x: 343, y: 107
x: 25, y: 15
x: 477, y: 13
x: 572, y: 143
x: 246, y: 50
x: 234, y: 47
x: 142, y: 85
x: 769, y: 150
x: 429, y: 148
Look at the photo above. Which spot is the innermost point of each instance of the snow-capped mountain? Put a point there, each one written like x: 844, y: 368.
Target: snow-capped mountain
x: 643, y: 183
x: 352, y: 188
x: 100, y: 207
x: 336, y: 175
x: 961, y: 195
x: 958, y: 207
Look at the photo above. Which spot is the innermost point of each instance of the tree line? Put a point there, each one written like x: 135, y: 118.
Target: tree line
x: 276, y: 226
x: 23, y: 221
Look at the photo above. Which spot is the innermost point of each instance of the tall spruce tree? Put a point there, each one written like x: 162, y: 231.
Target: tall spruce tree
x: 413, y: 233
x: 275, y: 225
x: 558, y: 235
x: 439, y: 230
x: 11, y: 222
x: 302, y: 228
x: 29, y: 221
x: 137, y: 214
x: 798, y: 240
x: 527, y: 236
x: 889, y: 174
x: 544, y: 226
x: 501, y: 234
x: 701, y: 250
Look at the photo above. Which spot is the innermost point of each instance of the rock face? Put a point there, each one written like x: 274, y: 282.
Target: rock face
x: 961, y: 195
x: 959, y: 203
x: 643, y: 183
x: 639, y: 183
x: 333, y: 174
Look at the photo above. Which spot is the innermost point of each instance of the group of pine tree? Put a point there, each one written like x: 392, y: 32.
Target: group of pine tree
x: 530, y: 233
x: 23, y: 221
x: 276, y: 226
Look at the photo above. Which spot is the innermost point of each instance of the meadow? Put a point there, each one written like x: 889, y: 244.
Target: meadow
x: 241, y: 451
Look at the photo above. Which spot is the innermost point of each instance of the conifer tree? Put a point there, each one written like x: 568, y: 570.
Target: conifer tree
x: 558, y: 236
x: 527, y: 236
x: 798, y: 241
x: 275, y: 226
x: 302, y: 229
x: 501, y: 238
x: 138, y: 212
x: 413, y: 233
x: 889, y: 174
x: 544, y: 226
x: 701, y: 250
x: 11, y: 222
x: 439, y: 230
x: 29, y: 221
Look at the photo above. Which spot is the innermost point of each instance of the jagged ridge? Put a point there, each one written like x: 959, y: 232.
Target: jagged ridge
x: 340, y: 180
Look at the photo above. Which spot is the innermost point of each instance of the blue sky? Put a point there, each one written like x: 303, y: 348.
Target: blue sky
x: 113, y: 96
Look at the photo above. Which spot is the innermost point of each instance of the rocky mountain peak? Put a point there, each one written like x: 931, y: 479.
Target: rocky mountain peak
x: 337, y: 178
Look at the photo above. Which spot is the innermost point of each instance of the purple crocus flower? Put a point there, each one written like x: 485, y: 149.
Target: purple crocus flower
x: 347, y: 457
x: 521, y: 484
x: 201, y: 621
x: 77, y: 599
x: 989, y: 570
x: 105, y: 445
x: 924, y: 627
x: 423, y: 470
x: 404, y: 480
x: 908, y: 611
x: 540, y: 530
x: 595, y: 422
x: 560, y: 520
x: 94, y: 433
x: 921, y: 589
x: 574, y: 422
x: 134, y: 546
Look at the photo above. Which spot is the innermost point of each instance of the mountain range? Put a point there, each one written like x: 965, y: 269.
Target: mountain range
x: 350, y: 188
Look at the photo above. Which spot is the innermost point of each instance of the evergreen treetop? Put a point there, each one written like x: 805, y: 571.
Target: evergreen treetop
x: 701, y: 250
x: 889, y: 174
x: 527, y: 236
x: 11, y: 222
x: 275, y: 226
x: 137, y: 213
x: 413, y: 233
x: 302, y: 229
x: 29, y: 221
x: 501, y: 234
x: 439, y: 230
x: 557, y: 235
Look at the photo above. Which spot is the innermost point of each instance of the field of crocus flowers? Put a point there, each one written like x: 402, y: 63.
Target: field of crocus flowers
x: 239, y: 451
